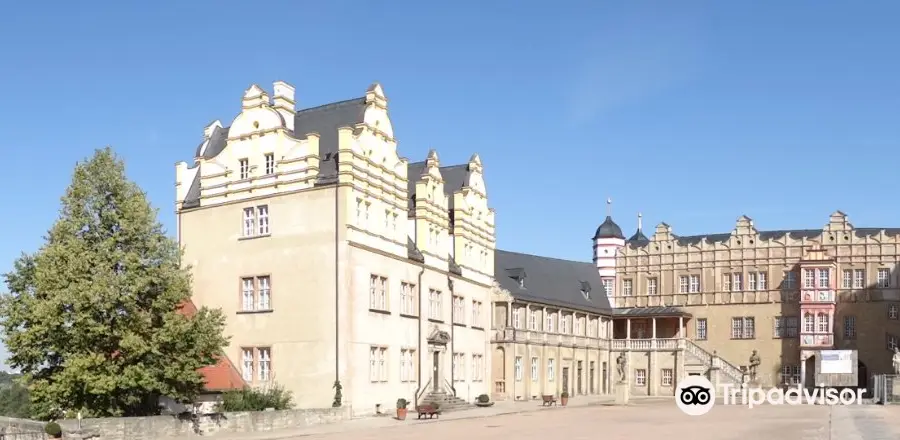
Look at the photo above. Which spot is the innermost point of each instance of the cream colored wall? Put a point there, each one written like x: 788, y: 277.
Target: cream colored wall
x: 665, y: 259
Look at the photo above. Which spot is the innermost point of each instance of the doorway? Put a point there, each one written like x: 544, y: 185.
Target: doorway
x: 862, y: 378
x: 591, y: 378
x: 579, y: 372
x: 436, y: 373
x: 809, y: 379
x: 565, y: 378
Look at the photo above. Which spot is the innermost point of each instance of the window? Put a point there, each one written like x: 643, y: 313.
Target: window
x: 751, y: 281
x: 408, y: 365
x: 548, y: 322
x: 477, y: 367
x: 847, y: 279
x: 651, y: 286
x: 607, y: 287
x: 736, y: 282
x: 809, y: 278
x: 256, y: 294
x: 265, y: 363
x: 667, y: 375
x: 247, y: 364
x: 579, y: 326
x: 849, y: 327
x: 459, y: 310
x: 790, y: 281
x: 256, y: 360
x: 762, y: 281
x: 683, y: 284
x: 884, y: 278
x: 270, y: 164
x: 534, y: 369
x: 459, y: 367
x: 532, y: 320
x: 408, y: 299
x: 515, y: 316
x: 701, y: 329
x: 434, y: 303
x: 551, y: 369
x: 362, y: 213
x: 518, y: 369
x: 891, y: 342
x: 476, y: 314
x: 824, y: 278
x: 743, y: 328
x: 822, y: 321
x: 639, y: 330
x: 785, y: 327
x: 378, y: 293
x: 256, y: 221
x: 726, y: 282
x: 245, y: 168
x: 695, y: 284
x: 790, y: 374
x: 627, y: 287
x: 892, y: 311
x: 809, y: 323
x: 859, y: 278
x: 640, y: 377
x: 378, y: 364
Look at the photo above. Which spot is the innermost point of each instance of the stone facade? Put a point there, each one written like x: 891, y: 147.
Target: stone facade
x: 336, y: 259
x: 149, y: 428
x: 786, y: 294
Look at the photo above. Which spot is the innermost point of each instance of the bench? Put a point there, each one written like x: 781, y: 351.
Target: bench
x: 548, y: 400
x: 428, y: 410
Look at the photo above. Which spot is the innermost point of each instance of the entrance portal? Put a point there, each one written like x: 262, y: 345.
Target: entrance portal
x: 565, y: 378
x: 809, y: 378
x: 436, y: 374
x: 862, y: 378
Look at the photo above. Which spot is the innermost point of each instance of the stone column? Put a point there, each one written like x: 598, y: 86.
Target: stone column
x: 681, y: 326
x: 627, y: 328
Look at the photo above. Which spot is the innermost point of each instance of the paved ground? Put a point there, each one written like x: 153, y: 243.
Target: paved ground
x: 645, y: 419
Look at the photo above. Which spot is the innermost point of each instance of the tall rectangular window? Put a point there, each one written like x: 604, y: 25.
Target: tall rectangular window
x: 762, y: 281
x: 640, y: 377
x: 627, y: 288
x: 519, y: 369
x: 736, y: 282
x: 695, y: 284
x: 849, y: 327
x: 726, y: 282
x: 256, y: 294
x: 701, y: 329
x: 435, y: 309
x: 884, y: 278
x: 378, y: 299
x: 652, y: 287
x: 809, y: 278
x: 551, y: 369
x: 790, y: 281
x: 824, y: 278
x: 244, y: 166
x: 534, y: 369
x: 408, y: 299
x: 683, y: 284
x: 847, y: 279
x: 859, y: 278
x: 270, y: 164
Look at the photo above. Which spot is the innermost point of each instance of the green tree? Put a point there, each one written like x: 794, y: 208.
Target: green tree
x: 91, y: 319
x: 14, y: 400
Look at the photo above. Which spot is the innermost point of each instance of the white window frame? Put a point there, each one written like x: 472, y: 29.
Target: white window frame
x: 551, y: 369
x: 518, y: 369
x: 270, y: 163
x: 247, y: 363
x: 809, y: 278
x: 244, y: 168
x: 751, y: 281
x: 408, y: 299
x: 435, y: 303
x: 515, y: 316
x: 700, y: 330
x: 666, y: 377
x: 859, y: 278
x: 652, y: 286
x: 640, y: 377
x: 884, y: 278
x: 264, y: 293
x: 694, y: 284
x: 824, y: 278
x: 726, y: 282
x: 822, y: 323
x: 847, y: 279
x: 535, y: 376
x: 683, y: 284
x: 736, y: 281
x: 627, y: 287
x: 249, y: 225
x: 264, y: 355
x: 378, y: 299
x: 809, y: 323
x: 762, y: 281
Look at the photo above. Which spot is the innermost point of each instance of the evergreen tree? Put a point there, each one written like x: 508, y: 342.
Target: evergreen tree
x: 91, y: 319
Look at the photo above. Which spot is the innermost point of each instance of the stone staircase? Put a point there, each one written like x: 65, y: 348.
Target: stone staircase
x: 728, y: 373
x: 446, y: 402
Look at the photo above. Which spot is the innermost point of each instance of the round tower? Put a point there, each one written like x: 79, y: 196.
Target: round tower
x: 607, y: 240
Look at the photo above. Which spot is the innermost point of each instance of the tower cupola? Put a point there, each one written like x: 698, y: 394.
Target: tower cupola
x: 639, y: 237
x: 608, y: 239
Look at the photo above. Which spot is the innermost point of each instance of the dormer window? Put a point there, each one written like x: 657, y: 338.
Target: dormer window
x: 586, y: 290
x: 517, y: 274
x: 522, y: 282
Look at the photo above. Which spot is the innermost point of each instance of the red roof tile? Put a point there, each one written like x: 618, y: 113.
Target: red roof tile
x: 221, y: 376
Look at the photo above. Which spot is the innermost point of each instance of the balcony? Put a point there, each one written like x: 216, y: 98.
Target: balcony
x: 808, y: 296
x: 816, y: 340
x: 658, y: 344
x: 536, y: 337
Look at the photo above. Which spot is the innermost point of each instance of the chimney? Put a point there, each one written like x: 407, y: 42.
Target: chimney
x: 283, y: 102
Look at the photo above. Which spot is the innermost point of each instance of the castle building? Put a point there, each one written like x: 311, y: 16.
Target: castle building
x: 787, y: 294
x: 335, y: 260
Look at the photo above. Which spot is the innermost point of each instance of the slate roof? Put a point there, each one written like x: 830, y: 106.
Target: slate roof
x: 650, y: 311
x: 639, y: 237
x: 609, y: 229
x: 776, y: 234
x: 551, y: 281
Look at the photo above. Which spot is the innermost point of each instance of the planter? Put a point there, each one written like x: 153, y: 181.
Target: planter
x: 564, y: 400
x: 401, y: 413
x: 484, y: 404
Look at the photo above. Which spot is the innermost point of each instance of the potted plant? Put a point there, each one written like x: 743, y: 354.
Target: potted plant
x: 53, y: 430
x: 483, y: 400
x: 401, y: 408
x: 564, y: 398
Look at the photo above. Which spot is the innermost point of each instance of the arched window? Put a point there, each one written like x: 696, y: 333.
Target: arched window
x: 823, y: 323
x: 809, y: 323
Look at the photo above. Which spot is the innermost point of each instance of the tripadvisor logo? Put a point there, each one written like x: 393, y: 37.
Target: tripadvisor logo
x: 696, y: 396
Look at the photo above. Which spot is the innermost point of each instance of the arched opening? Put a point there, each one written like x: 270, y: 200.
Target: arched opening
x: 499, y: 373
x: 862, y: 376
x: 809, y: 379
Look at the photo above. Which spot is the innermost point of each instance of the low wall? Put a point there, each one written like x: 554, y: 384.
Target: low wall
x: 149, y: 428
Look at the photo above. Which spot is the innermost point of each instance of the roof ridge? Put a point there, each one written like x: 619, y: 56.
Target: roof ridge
x: 330, y: 104
x: 543, y: 257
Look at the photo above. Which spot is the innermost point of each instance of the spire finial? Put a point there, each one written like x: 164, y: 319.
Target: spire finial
x: 640, y: 222
x: 609, y: 206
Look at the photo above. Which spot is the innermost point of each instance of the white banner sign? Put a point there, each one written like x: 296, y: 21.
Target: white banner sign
x: 837, y: 362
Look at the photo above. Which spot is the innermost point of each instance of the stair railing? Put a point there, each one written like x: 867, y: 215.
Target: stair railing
x: 450, y: 387
x: 730, y: 370
x: 422, y: 392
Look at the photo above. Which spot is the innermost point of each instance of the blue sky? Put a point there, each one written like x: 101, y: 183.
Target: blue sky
x: 693, y: 113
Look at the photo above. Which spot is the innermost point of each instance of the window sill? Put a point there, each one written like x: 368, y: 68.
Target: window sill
x: 459, y: 324
x: 436, y: 321
x: 480, y: 328
x: 411, y: 316
x: 252, y: 237
x: 254, y: 312
x: 379, y: 311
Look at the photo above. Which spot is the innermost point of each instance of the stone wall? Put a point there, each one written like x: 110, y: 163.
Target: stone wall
x: 149, y: 428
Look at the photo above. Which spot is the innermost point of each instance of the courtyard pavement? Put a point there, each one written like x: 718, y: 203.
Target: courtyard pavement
x: 593, y: 418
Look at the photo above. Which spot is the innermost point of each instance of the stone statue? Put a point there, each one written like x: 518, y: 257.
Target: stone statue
x: 754, y: 364
x: 621, y: 362
x: 896, y: 360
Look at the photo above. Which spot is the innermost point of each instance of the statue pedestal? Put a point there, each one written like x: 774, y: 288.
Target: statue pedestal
x: 623, y: 393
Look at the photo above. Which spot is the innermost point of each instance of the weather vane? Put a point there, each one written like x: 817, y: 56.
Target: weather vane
x: 609, y: 206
